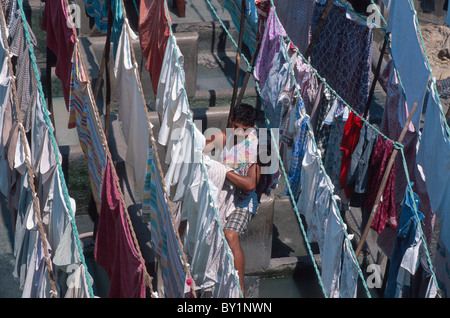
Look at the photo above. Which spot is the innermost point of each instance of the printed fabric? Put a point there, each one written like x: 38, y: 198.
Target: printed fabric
x: 84, y: 118
x: 163, y: 234
x: 343, y: 55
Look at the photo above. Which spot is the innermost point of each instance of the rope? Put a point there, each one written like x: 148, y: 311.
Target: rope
x: 55, y: 148
x: 158, y: 161
x: 93, y: 107
x: 43, y: 236
x: 212, y: 203
x: 411, y: 193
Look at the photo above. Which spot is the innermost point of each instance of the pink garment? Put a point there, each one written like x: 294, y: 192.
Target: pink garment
x: 60, y: 39
x: 391, y: 127
x: 114, y: 248
x: 153, y: 35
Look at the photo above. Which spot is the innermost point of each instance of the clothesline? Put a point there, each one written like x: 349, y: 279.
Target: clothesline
x: 30, y: 170
x: 54, y: 147
x: 396, y: 144
x: 202, y: 164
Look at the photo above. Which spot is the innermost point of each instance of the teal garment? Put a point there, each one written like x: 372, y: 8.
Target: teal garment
x: 99, y: 11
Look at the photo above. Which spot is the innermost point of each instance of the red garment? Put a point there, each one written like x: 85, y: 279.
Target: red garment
x: 385, y: 213
x: 153, y: 34
x: 349, y: 141
x: 114, y: 248
x: 60, y: 39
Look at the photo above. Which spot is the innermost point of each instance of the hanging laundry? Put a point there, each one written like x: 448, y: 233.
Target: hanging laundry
x: 132, y: 110
x: 296, y: 17
x: 385, y: 212
x: 391, y: 126
x: 407, y: 54
x: 270, y: 46
x: 114, y: 249
x: 407, y: 227
x: 163, y: 231
x: 153, y: 35
x: 343, y: 55
x: 441, y: 263
x: 349, y: 273
x: 83, y: 117
x: 434, y: 158
x: 349, y: 141
x: 99, y: 11
x: 358, y: 173
x: 298, y: 153
x: 25, y: 79
x: 262, y: 8
x: 60, y: 39
x: 251, y: 20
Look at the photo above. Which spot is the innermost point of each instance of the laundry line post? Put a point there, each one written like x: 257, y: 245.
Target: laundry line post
x: 320, y: 26
x: 238, y: 61
x: 247, y: 75
x: 384, y: 181
x: 376, y: 76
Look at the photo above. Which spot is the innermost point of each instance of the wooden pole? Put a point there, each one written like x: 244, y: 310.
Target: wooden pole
x: 375, y: 79
x: 322, y: 21
x: 238, y: 60
x: 247, y: 75
x: 383, y: 182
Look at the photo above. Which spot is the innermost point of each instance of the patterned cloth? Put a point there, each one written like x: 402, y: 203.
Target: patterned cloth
x: 238, y: 220
x: 88, y: 126
x: 343, y: 55
x: 385, y: 213
x: 164, y: 241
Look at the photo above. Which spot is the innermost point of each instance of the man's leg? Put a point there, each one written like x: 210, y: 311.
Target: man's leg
x: 239, y: 257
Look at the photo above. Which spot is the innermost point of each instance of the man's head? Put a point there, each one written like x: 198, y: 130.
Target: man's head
x: 244, y: 116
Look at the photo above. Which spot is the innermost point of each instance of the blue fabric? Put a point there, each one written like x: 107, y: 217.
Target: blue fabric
x: 300, y: 145
x: 405, y: 238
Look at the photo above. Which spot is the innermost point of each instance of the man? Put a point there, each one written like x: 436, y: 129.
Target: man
x: 239, y: 147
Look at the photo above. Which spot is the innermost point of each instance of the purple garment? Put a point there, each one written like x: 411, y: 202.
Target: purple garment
x: 270, y: 46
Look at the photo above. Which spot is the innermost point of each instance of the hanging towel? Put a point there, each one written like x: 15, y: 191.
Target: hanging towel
x: 60, y: 39
x: 163, y: 231
x: 114, y: 248
x: 83, y: 117
x: 343, y: 55
x: 153, y: 35
x: 132, y: 110
x: 407, y: 54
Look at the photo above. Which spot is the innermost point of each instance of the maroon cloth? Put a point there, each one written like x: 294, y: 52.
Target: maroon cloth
x: 352, y: 130
x: 385, y: 214
x: 153, y: 35
x: 114, y: 248
x: 60, y: 39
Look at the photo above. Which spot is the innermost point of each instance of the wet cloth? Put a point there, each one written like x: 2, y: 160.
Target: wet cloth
x: 114, y: 248
x: 88, y: 126
x: 26, y: 83
x: 358, y: 173
x: 343, y: 55
x: 132, y: 110
x: 60, y: 39
x: 349, y: 142
x: 270, y: 46
x: 163, y: 232
x: 385, y: 212
x: 153, y: 35
x: 407, y: 54
x: 434, y: 158
x: 407, y: 227
x: 99, y: 11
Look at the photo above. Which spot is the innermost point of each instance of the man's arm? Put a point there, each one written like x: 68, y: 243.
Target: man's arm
x: 246, y: 183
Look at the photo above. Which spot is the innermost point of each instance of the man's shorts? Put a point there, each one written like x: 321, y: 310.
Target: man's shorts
x: 238, y: 220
